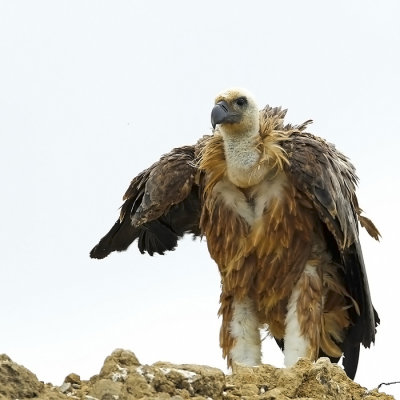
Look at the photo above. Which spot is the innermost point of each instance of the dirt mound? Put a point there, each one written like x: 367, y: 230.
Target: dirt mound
x: 122, y: 377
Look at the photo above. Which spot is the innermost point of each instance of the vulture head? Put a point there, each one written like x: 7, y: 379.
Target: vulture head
x: 236, y: 113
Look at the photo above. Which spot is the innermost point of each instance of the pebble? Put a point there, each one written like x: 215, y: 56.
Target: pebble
x: 65, y: 387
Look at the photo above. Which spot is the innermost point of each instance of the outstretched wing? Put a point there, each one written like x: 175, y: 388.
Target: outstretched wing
x: 161, y: 204
x: 327, y: 177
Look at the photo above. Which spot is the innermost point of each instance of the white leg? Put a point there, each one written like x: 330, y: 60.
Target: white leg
x: 306, y: 297
x: 296, y: 345
x: 245, y: 331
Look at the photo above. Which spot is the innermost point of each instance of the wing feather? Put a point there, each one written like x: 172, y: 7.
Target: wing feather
x: 161, y: 204
x: 329, y: 180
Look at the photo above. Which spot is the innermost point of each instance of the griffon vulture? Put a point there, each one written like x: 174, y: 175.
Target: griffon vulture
x: 280, y: 215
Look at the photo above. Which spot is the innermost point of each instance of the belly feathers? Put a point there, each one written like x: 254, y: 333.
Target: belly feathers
x: 258, y: 237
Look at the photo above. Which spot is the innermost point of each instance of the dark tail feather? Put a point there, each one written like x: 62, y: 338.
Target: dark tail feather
x: 351, y: 353
x: 119, y: 238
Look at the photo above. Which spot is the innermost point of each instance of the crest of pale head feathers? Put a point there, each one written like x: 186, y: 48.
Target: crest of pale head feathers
x: 272, y: 133
x: 271, y: 119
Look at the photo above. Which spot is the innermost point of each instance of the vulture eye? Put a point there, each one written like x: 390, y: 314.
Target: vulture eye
x: 241, y: 101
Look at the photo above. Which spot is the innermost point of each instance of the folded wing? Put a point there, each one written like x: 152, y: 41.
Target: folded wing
x: 327, y: 177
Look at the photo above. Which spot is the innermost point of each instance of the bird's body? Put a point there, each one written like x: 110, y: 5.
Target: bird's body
x: 278, y: 209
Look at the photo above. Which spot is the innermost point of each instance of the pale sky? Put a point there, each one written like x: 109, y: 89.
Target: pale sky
x: 92, y: 92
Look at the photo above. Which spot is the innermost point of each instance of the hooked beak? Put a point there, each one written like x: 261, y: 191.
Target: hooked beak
x: 221, y: 114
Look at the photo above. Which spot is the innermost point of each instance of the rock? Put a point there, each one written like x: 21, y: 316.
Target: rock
x: 275, y: 394
x: 73, y: 379
x: 137, y: 387
x: 65, y: 387
x: 199, y: 380
x: 106, y: 389
x: 320, y: 380
x: 122, y: 358
x: 16, y: 382
x: 122, y: 377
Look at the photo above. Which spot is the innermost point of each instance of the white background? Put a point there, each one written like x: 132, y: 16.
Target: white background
x: 92, y: 92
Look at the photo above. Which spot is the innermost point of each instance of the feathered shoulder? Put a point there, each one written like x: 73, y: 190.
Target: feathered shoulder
x: 318, y: 169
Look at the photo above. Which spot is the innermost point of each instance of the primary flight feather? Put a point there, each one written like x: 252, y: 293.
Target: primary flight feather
x: 279, y: 211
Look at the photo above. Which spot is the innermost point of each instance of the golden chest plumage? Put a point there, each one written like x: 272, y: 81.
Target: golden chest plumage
x: 257, y: 236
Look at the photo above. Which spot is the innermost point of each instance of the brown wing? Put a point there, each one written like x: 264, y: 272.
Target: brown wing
x: 161, y: 204
x: 327, y: 177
